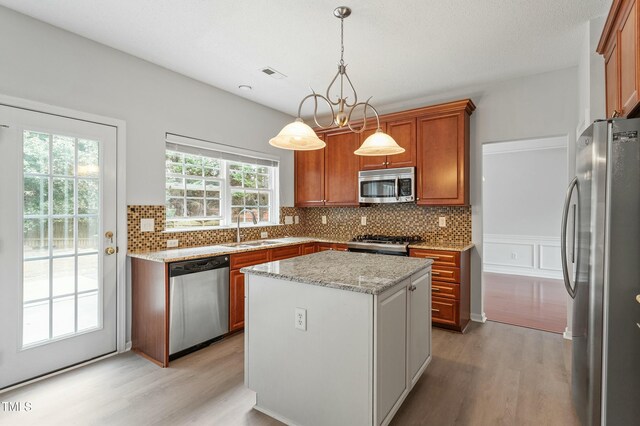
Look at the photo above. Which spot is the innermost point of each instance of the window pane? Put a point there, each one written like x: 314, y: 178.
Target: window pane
x: 209, y: 172
x: 63, y: 316
x: 195, y: 188
x: 211, y: 162
x: 35, y: 234
x: 262, y: 170
x: 175, y: 187
x: 251, y: 199
x: 88, y: 311
x: 237, y: 198
x: 174, y: 157
x: 264, y: 214
x: 64, y: 276
x: 249, y: 180
x: 88, y: 158
x: 88, y: 234
x: 35, y: 280
x: 264, y: 199
x: 213, y: 207
x: 175, y: 207
x: 235, y: 179
x: 64, y: 156
x: 35, y: 152
x: 35, y: 322
x: 175, y: 168
x: 63, y: 233
x: 88, y: 196
x: 88, y: 272
x: 263, y: 181
x: 212, y: 189
x: 36, y: 195
x: 63, y: 196
x: 195, y: 207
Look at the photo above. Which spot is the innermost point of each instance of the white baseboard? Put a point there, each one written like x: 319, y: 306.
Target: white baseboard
x: 127, y: 347
x: 479, y: 317
x: 521, y: 271
x: 567, y: 334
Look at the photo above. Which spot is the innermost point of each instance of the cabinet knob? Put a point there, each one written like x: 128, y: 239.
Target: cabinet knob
x: 638, y: 298
x: 616, y: 113
x: 412, y: 287
x: 417, y: 198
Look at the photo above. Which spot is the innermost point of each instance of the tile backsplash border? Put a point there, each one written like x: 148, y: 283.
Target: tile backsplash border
x: 343, y: 223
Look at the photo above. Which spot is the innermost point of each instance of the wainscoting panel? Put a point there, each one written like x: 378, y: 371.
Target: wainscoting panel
x: 522, y: 255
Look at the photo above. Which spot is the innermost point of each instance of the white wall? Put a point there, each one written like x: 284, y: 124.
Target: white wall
x: 591, y: 79
x: 46, y: 64
x: 536, y: 106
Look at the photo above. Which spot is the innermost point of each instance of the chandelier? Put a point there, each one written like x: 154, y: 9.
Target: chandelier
x: 300, y: 137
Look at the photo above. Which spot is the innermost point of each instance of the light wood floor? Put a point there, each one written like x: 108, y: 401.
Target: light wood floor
x: 539, y: 303
x: 495, y: 374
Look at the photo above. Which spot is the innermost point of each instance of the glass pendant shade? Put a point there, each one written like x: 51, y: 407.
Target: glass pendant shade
x: 379, y: 143
x: 297, y: 136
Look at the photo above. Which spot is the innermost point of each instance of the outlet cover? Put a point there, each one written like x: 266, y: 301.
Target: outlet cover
x: 442, y: 221
x: 296, y: 219
x: 147, y: 225
x: 324, y: 220
x: 173, y: 243
x: 301, y: 319
x: 363, y: 220
x: 264, y: 235
x: 288, y: 220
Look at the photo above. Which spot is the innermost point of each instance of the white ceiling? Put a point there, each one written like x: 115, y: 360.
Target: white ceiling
x: 395, y: 50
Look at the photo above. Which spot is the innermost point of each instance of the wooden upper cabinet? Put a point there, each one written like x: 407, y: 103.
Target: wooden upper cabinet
x: 341, y: 168
x: 309, y: 174
x: 372, y: 162
x: 620, y: 46
x: 404, y: 133
x: 443, y: 156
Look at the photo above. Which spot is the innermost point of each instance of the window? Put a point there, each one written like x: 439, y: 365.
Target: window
x: 210, y: 188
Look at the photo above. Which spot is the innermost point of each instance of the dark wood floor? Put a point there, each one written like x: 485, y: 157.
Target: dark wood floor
x: 495, y: 374
x: 539, y: 303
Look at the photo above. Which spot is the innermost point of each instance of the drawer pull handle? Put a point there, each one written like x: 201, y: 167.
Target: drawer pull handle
x: 435, y: 289
x: 435, y: 273
x: 435, y: 310
x: 433, y: 257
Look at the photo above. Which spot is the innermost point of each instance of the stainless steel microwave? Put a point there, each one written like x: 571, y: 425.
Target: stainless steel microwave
x: 387, y: 185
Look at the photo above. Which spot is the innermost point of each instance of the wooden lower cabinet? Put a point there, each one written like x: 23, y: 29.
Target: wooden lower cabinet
x: 236, y: 300
x: 450, y: 288
x: 309, y: 248
x: 332, y: 246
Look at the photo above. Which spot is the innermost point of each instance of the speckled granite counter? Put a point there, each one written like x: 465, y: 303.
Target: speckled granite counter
x: 359, y: 272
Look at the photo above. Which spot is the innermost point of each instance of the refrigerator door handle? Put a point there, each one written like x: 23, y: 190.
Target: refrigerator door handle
x: 563, y: 239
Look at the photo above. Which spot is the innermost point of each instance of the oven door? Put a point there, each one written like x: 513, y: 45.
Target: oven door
x: 386, y: 187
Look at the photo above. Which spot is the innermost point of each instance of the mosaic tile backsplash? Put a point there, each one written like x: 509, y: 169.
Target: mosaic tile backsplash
x: 343, y: 223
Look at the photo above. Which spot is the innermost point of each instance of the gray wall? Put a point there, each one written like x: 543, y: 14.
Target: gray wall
x: 46, y: 64
x: 523, y: 192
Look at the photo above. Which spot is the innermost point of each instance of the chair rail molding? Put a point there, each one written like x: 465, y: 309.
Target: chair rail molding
x: 534, y: 256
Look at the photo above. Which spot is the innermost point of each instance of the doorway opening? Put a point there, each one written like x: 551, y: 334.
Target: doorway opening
x: 523, y: 188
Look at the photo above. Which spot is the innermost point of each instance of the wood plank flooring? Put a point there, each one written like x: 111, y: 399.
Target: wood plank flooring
x: 495, y: 374
x: 539, y: 303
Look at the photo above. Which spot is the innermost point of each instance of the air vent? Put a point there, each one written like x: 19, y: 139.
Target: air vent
x: 273, y: 73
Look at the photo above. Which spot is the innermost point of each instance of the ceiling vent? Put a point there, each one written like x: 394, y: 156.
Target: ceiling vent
x: 273, y: 73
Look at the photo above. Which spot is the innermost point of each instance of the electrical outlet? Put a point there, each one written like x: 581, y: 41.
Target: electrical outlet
x: 324, y: 220
x: 264, y: 235
x: 173, y: 243
x: 301, y: 319
x: 296, y: 219
x: 514, y: 255
x: 363, y: 220
x: 442, y: 221
x: 147, y: 225
x: 288, y: 220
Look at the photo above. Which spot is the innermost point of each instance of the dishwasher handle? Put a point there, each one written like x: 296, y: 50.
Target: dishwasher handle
x: 177, y: 269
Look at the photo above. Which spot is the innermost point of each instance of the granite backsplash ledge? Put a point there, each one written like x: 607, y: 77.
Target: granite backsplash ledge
x: 343, y: 223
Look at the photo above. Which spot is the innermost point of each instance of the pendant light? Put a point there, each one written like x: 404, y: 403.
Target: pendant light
x: 300, y: 137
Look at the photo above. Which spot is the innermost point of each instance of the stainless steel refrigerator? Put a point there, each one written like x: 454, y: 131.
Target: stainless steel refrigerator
x: 601, y: 265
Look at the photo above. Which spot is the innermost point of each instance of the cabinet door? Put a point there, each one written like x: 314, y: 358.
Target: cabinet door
x: 404, y: 133
x: 628, y: 51
x: 612, y: 82
x: 309, y: 178
x: 391, y: 350
x: 419, y: 325
x: 236, y: 300
x: 309, y: 248
x: 286, y: 252
x: 373, y: 162
x: 341, y: 169
x: 443, y: 163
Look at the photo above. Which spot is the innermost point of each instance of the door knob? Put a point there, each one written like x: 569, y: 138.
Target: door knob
x: 109, y: 251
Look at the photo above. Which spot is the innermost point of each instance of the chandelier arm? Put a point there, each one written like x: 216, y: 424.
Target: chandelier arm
x: 315, y: 97
x: 328, y: 97
x: 353, y: 89
x: 364, y: 122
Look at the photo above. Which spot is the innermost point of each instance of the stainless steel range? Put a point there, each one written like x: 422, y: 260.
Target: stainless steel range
x: 383, y: 244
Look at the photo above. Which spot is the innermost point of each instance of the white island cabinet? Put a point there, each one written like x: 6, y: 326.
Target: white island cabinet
x: 336, y: 338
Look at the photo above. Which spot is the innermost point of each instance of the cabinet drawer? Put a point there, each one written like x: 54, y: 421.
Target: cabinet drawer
x: 249, y: 258
x: 286, y: 252
x: 440, y: 257
x: 442, y: 273
x: 448, y: 290
x: 332, y: 246
x: 444, y: 311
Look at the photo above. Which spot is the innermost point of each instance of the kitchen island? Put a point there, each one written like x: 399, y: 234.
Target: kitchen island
x: 336, y: 338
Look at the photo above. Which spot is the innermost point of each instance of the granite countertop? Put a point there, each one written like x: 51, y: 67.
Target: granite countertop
x: 190, y: 253
x: 359, y: 272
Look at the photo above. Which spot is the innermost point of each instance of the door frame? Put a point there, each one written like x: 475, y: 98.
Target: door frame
x: 121, y: 196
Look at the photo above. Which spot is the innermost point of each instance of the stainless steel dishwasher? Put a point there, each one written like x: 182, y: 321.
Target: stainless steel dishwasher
x: 198, y: 303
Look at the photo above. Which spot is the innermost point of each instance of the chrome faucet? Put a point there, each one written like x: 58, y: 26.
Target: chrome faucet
x: 255, y: 221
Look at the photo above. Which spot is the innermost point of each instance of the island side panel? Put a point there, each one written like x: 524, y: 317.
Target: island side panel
x: 319, y: 376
